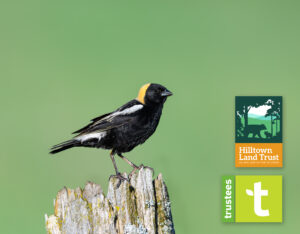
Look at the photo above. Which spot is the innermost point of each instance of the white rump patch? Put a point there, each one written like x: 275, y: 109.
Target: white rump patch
x: 94, y: 135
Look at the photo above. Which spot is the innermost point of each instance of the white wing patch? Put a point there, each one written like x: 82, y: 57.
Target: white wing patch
x: 100, y: 135
x: 93, y: 135
x: 129, y: 110
x: 126, y: 111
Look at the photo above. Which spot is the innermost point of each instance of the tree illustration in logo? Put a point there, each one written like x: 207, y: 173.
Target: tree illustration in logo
x: 258, y: 119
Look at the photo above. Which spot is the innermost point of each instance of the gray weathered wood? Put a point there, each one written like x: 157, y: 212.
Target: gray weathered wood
x: 139, y: 207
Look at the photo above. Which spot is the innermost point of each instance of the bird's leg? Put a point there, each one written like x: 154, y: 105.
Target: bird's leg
x: 135, y: 167
x: 129, y: 162
x: 114, y: 162
x: 118, y: 174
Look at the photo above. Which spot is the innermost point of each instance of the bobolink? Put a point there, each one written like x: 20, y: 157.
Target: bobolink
x: 123, y: 129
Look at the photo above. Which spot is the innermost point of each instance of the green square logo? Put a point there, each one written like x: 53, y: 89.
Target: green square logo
x: 258, y: 199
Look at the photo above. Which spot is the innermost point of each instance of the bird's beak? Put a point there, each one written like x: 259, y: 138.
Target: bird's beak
x: 166, y: 93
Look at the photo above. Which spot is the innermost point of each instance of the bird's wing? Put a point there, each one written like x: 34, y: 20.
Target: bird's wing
x: 121, y: 116
x: 93, y: 121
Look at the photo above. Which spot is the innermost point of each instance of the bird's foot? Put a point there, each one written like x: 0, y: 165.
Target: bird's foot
x: 133, y: 171
x: 139, y: 168
x: 142, y: 166
x: 120, y: 177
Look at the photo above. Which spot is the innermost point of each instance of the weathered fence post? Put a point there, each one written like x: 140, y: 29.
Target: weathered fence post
x: 139, y: 207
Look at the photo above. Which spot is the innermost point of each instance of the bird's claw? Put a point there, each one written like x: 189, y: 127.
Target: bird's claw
x: 119, y: 176
x: 142, y: 166
x: 132, y: 172
x: 139, y: 168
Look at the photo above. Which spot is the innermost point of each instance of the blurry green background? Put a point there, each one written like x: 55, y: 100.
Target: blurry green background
x: 65, y: 62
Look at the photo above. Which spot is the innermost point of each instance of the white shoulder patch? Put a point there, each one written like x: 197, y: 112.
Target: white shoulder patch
x: 93, y: 135
x: 126, y: 111
x: 129, y: 110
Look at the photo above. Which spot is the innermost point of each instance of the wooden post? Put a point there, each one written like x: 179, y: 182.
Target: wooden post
x: 139, y: 207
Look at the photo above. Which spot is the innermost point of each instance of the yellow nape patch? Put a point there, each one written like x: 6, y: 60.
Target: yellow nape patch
x: 142, y: 93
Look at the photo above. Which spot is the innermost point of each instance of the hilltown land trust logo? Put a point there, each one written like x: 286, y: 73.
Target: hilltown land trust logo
x: 258, y: 131
x: 252, y: 198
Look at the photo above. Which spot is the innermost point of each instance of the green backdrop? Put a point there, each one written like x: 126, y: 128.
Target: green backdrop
x: 65, y: 62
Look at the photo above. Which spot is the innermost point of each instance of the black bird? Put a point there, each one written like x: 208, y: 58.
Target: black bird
x: 123, y: 129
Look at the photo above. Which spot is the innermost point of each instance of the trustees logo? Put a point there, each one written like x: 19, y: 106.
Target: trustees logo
x: 252, y: 199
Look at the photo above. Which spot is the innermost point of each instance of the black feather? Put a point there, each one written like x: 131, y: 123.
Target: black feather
x: 63, y: 146
x: 90, y: 124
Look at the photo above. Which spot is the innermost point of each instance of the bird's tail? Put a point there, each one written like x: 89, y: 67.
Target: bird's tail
x: 63, y: 146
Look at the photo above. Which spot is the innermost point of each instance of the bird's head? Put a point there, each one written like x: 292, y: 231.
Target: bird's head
x: 153, y: 94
